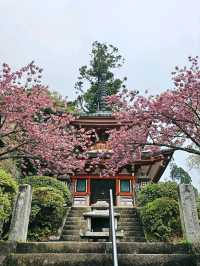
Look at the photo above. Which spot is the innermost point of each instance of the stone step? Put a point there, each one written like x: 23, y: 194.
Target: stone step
x: 74, y: 222
x: 134, y: 215
x: 126, y: 210
x: 128, y: 214
x: 138, y: 231
x: 72, y: 218
x: 134, y: 239
x: 71, y: 232
x: 135, y: 229
x: 130, y: 227
x: 77, y: 221
x: 71, y: 227
x: 76, y: 218
x: 129, y: 223
x: 128, y: 220
x: 71, y: 238
x: 64, y: 259
x: 105, y: 247
x: 128, y: 217
x: 78, y: 225
x: 134, y: 233
x: 124, y: 219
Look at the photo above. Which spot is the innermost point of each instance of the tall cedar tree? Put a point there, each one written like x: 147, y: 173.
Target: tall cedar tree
x: 179, y: 174
x: 104, y: 59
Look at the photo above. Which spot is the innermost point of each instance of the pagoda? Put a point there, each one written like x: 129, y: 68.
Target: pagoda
x: 90, y: 186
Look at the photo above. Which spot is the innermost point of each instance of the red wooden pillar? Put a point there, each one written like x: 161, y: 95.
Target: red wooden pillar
x: 73, y: 189
x: 88, y: 186
x: 117, y: 186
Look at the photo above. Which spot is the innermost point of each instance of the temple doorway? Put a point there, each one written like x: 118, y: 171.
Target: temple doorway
x: 100, y: 190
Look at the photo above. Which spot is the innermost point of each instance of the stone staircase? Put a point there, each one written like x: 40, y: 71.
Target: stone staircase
x: 129, y: 222
x: 98, y: 254
x: 75, y: 251
x: 74, y: 224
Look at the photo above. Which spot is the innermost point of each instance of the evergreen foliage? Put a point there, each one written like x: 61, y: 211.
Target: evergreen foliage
x: 179, y: 174
x: 153, y: 191
x: 161, y: 219
x: 47, y: 210
x: 8, y: 190
x: 104, y: 59
x: 46, y: 181
x: 160, y: 211
x: 5, y: 207
x: 46, y: 213
x: 7, y: 184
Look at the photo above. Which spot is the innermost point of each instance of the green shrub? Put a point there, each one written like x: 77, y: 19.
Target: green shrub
x: 161, y: 219
x: 5, y: 207
x: 46, y: 181
x: 8, y: 190
x: 8, y: 184
x: 154, y: 191
x: 46, y: 213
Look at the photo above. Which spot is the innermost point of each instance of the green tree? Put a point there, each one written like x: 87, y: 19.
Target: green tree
x: 179, y: 174
x: 104, y: 59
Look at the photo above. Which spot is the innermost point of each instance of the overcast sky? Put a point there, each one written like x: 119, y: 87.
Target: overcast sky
x: 152, y: 35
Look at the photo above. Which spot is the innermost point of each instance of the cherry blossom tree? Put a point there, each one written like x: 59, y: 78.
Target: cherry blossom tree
x: 30, y: 126
x: 170, y: 119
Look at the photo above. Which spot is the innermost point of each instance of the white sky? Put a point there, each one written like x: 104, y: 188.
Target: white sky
x: 153, y: 36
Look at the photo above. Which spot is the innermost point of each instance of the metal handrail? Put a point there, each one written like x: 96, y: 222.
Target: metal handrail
x: 112, y: 233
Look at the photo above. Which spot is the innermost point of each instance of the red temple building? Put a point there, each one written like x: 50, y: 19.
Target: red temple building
x: 90, y: 186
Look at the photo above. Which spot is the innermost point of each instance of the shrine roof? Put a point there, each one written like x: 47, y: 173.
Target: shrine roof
x: 99, y: 119
x: 154, y: 165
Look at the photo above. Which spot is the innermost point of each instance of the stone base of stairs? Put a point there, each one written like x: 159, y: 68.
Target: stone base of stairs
x: 86, y: 259
x: 98, y: 254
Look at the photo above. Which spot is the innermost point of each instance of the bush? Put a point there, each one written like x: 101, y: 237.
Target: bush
x: 7, y: 184
x: 154, y: 191
x: 5, y: 207
x: 46, y: 213
x: 46, y: 181
x: 8, y: 190
x: 161, y: 219
x: 49, y: 196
